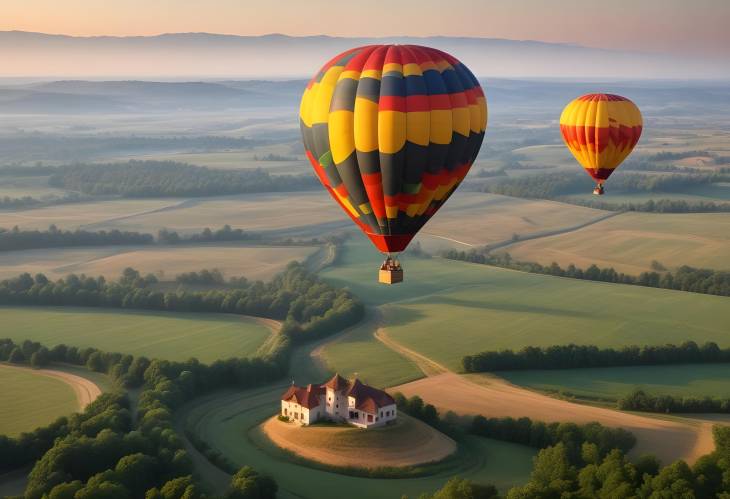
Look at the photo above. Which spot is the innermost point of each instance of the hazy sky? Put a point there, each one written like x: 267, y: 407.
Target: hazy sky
x: 673, y: 26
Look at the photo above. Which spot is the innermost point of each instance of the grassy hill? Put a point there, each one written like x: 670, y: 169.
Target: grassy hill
x: 173, y: 336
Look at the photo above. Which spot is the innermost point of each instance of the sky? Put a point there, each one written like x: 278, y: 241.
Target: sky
x: 680, y: 27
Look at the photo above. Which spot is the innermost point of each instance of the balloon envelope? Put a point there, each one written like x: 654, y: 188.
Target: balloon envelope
x: 601, y: 130
x: 391, y: 131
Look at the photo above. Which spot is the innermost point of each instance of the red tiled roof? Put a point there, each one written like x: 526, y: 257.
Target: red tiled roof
x: 367, y: 398
x: 337, y: 383
x: 306, y: 396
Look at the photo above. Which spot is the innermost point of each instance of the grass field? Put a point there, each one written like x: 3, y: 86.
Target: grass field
x: 383, y: 368
x: 29, y: 400
x: 173, y: 336
x: 447, y: 309
x: 229, y: 423
x: 253, y: 262
x: 80, y: 215
x: 240, y: 159
x: 629, y: 242
x: 255, y: 212
x: 687, y: 380
x: 477, y: 219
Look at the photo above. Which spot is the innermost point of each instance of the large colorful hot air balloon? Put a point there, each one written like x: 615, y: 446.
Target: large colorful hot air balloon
x: 391, y: 131
x: 600, y: 130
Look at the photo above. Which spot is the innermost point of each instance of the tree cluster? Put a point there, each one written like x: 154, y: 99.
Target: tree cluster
x: 685, y: 278
x: 551, y: 186
x: 614, y: 475
x: 658, y: 206
x: 15, y: 239
x: 204, y: 277
x: 306, y: 303
x: 638, y: 400
x: 581, y: 356
x: 141, y: 179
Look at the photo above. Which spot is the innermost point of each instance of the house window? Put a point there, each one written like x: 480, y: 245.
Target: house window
x: 370, y: 418
x: 285, y: 412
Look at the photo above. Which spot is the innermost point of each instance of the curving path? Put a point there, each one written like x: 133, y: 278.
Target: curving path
x: 491, y: 396
x: 86, y: 391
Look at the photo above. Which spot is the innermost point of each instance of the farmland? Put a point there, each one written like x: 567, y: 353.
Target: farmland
x: 688, y: 380
x: 476, y: 219
x: 172, y: 336
x: 448, y: 309
x: 29, y: 400
x: 253, y: 262
x: 631, y: 241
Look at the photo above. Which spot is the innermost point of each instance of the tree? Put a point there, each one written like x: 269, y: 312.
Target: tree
x: 65, y: 490
x: 459, y: 488
x: 104, y: 490
x: 40, y: 358
x: 16, y: 356
x: 249, y: 484
x: 552, y: 475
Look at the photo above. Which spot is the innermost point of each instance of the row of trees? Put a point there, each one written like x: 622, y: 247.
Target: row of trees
x: 639, y: 400
x: 550, y: 186
x: 658, y: 206
x: 580, y: 356
x: 296, y: 296
x: 16, y: 239
x: 140, y: 179
x: 685, y: 278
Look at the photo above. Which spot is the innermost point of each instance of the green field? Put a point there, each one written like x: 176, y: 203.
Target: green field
x: 29, y: 400
x: 172, y: 336
x: 448, y: 309
x: 685, y: 380
x: 383, y: 368
x: 229, y: 423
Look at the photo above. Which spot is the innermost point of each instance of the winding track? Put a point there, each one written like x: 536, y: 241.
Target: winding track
x: 86, y: 391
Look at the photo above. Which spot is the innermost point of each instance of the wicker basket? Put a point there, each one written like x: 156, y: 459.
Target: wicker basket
x: 391, y: 276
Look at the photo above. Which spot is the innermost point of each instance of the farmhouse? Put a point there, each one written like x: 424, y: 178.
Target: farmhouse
x: 339, y: 400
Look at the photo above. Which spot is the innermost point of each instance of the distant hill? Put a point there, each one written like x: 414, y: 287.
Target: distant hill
x: 182, y: 55
x: 532, y: 98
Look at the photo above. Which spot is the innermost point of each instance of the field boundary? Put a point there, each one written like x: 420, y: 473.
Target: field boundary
x: 549, y: 233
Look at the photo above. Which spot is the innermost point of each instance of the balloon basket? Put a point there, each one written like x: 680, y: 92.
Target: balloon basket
x: 598, y: 191
x: 390, y: 272
x: 390, y: 276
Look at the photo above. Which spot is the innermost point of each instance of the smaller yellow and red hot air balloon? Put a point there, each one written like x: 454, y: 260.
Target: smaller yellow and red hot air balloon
x: 600, y: 130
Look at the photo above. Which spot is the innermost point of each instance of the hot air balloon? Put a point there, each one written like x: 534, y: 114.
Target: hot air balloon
x: 391, y: 131
x: 600, y: 130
